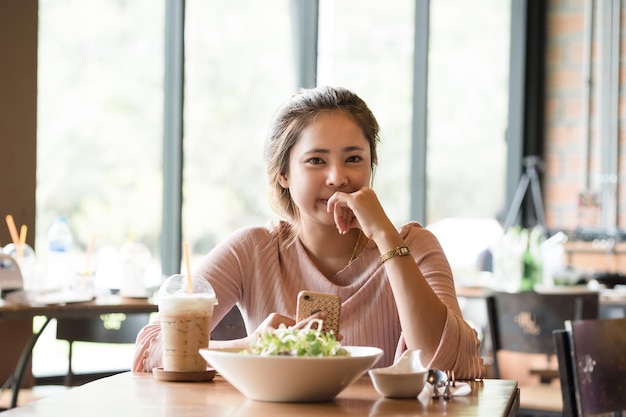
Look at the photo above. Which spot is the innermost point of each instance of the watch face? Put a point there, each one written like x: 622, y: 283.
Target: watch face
x: 10, y: 276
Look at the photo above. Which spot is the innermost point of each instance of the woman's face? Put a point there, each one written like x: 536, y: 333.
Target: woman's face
x: 331, y: 155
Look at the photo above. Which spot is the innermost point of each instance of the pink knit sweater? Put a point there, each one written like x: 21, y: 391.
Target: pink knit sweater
x: 252, y: 270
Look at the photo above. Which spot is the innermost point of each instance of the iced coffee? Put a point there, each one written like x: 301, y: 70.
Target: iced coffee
x: 185, y: 318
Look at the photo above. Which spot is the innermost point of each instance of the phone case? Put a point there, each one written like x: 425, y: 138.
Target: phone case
x: 310, y: 302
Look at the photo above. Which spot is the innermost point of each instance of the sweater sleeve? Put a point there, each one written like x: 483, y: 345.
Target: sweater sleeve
x: 465, y: 360
x: 148, y: 353
x: 458, y: 348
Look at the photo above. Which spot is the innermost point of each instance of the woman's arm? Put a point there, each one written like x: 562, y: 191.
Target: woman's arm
x: 148, y: 348
x: 422, y: 285
x: 422, y: 314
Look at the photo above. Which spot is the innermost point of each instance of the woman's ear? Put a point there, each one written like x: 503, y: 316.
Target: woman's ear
x: 282, y: 180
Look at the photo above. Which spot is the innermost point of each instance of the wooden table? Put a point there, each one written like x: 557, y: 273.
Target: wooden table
x: 139, y: 394
x: 101, y: 305
x: 607, y: 298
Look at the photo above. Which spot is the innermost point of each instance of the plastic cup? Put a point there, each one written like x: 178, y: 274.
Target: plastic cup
x: 185, y: 322
x: 27, y: 264
x: 135, y: 258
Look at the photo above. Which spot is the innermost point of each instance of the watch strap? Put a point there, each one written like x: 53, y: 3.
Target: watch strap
x: 399, y: 251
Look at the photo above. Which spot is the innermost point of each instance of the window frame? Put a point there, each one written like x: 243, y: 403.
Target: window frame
x: 305, y: 22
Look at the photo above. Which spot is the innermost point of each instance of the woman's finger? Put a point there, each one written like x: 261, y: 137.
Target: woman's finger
x: 274, y: 320
x: 320, y: 315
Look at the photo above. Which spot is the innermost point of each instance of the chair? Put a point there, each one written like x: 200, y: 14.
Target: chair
x: 593, y: 355
x: 123, y: 328
x: 108, y: 328
x: 230, y: 327
x: 568, y: 391
x: 523, y: 322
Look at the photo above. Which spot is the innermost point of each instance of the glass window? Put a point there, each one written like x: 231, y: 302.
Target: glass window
x: 239, y: 69
x: 100, y: 111
x: 467, y: 119
x: 367, y: 46
x: 100, y: 107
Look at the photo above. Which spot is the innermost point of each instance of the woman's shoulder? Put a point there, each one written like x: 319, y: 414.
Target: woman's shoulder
x: 257, y: 235
x: 413, y: 228
x: 414, y: 231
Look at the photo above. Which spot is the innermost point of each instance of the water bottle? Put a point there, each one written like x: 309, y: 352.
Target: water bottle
x: 60, y: 270
x: 531, y: 260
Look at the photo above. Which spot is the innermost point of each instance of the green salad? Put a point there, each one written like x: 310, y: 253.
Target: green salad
x: 290, y: 341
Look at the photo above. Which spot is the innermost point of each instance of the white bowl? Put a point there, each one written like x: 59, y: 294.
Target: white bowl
x: 289, y: 378
x: 392, y: 384
x: 403, y: 379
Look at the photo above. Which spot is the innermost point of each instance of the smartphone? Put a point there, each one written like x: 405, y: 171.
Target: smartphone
x: 310, y: 302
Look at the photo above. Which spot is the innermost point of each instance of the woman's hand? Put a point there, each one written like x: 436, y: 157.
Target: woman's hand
x: 274, y: 320
x: 320, y: 315
x: 360, y: 209
x: 271, y: 322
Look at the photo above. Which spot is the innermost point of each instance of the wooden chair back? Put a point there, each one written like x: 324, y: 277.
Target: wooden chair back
x: 566, y: 377
x: 595, y: 361
x: 108, y: 328
x: 230, y: 327
x: 123, y: 328
x: 524, y: 321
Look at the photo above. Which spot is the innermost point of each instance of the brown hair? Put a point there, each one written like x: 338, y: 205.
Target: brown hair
x: 292, y: 118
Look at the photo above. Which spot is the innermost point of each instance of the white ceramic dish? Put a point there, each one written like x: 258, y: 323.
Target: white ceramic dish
x: 291, y: 379
x: 404, y: 379
x: 398, y: 385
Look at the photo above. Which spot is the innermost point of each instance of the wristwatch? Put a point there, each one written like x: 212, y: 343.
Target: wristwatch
x: 399, y: 251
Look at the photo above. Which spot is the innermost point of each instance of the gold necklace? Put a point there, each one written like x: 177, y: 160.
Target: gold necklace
x: 356, y: 247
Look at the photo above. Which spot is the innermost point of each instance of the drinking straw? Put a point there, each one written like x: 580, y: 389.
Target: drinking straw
x: 20, y: 248
x: 92, y: 242
x: 189, y: 283
x: 23, y: 231
x: 86, y: 272
x: 13, y: 230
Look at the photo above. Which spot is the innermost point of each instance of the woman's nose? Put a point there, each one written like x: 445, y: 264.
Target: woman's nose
x: 336, y: 176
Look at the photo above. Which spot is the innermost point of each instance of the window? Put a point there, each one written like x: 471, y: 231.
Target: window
x: 467, y: 108
x: 239, y: 69
x: 367, y: 46
x: 100, y: 108
x: 467, y: 119
x: 101, y: 111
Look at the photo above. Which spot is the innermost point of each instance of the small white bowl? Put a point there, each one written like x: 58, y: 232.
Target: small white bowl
x: 398, y: 385
x: 289, y: 378
x: 404, y: 379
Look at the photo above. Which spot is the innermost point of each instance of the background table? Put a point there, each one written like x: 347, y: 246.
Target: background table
x: 101, y: 305
x: 139, y: 394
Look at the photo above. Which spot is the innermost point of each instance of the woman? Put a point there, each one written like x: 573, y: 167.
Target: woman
x: 396, y: 286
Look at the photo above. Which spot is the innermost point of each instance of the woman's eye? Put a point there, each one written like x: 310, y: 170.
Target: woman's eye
x: 354, y: 158
x: 314, y: 161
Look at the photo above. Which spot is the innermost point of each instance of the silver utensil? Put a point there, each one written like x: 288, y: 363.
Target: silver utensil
x: 446, y: 392
x: 437, y: 378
